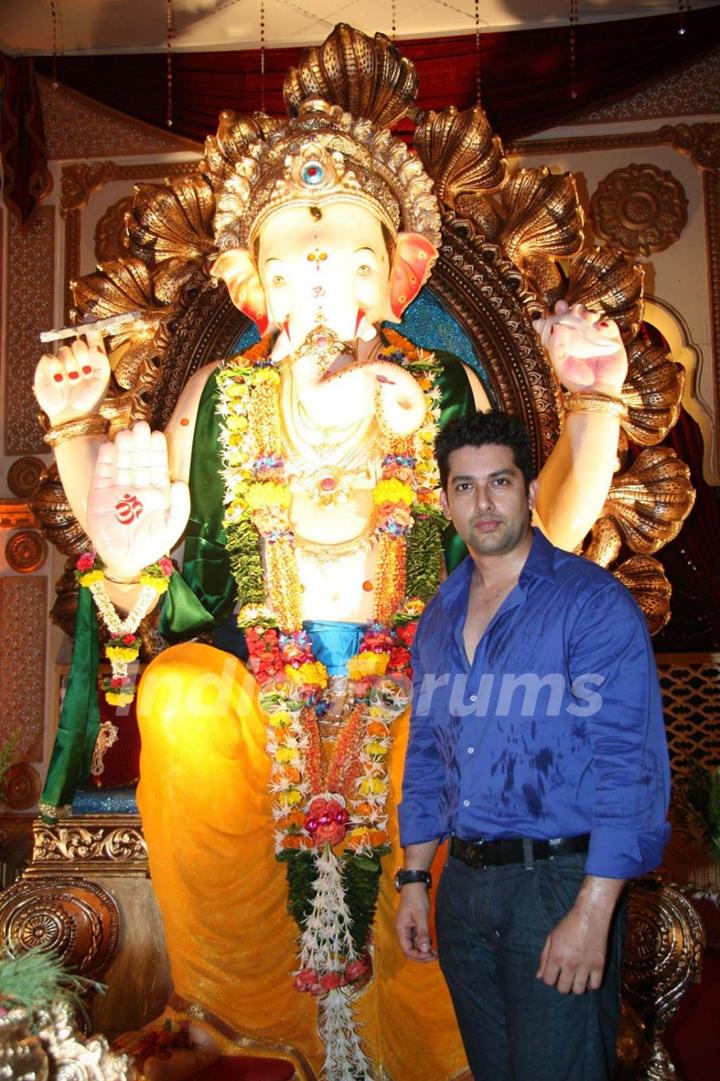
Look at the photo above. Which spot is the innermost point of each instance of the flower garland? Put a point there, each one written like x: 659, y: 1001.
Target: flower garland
x: 124, y: 644
x: 330, y: 816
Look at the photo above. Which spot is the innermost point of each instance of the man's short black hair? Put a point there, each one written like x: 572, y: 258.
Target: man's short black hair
x: 480, y: 429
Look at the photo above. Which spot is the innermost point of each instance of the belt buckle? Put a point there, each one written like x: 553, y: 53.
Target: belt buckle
x: 478, y: 856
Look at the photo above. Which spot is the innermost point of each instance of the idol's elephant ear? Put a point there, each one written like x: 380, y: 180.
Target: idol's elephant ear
x: 238, y: 271
x: 413, y: 260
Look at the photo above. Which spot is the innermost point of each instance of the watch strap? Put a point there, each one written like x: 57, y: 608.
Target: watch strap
x: 404, y: 878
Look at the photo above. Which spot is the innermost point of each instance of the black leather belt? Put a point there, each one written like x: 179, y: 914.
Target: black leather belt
x: 483, y: 853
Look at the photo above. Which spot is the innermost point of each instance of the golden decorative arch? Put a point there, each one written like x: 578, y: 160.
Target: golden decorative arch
x: 513, y: 242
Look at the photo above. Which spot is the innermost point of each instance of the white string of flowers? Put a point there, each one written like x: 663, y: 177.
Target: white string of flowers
x: 117, y: 626
x: 326, y: 946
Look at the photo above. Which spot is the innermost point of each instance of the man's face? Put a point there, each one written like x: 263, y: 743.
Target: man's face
x: 487, y: 500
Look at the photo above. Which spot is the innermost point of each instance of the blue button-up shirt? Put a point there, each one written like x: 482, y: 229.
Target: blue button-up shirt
x: 555, y: 729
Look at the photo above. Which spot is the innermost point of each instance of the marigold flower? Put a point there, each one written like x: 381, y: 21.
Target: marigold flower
x: 314, y: 674
x: 121, y: 653
x: 291, y: 798
x: 372, y: 786
x: 281, y: 718
x: 115, y: 698
x: 393, y: 491
x: 287, y: 755
x: 236, y: 423
x: 91, y: 577
x: 265, y: 375
x: 236, y: 389
x: 372, y: 838
x: 267, y: 494
x: 368, y: 664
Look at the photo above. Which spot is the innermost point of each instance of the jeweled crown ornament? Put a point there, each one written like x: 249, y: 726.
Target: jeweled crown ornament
x: 322, y: 154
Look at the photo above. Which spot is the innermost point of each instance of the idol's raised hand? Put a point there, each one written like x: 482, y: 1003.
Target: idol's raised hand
x: 585, y: 349
x: 135, y: 512
x: 74, y: 383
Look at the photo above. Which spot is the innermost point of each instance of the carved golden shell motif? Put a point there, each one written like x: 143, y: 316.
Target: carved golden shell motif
x: 605, y: 543
x: 366, y: 76
x: 604, y: 280
x: 652, y: 392
x: 170, y: 229
x: 650, y: 502
x: 460, y: 152
x: 235, y: 133
x: 172, y: 220
x: 481, y: 211
x: 645, y: 578
x: 122, y: 286
x: 50, y: 506
x: 544, y: 216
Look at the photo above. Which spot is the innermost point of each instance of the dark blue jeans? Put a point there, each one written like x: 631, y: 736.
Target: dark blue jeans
x: 491, y: 928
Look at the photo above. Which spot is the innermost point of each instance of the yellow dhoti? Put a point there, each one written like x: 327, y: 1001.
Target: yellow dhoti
x: 232, y: 944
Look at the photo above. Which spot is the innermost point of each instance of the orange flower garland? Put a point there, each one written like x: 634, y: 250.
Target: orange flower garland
x: 330, y: 821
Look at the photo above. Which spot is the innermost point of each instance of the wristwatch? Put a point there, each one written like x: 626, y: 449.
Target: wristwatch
x: 403, y: 878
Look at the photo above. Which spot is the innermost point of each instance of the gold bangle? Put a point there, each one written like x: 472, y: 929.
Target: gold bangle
x: 122, y: 581
x: 73, y: 429
x: 593, y: 401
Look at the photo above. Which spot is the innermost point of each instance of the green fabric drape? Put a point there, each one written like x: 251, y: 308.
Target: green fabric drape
x: 205, y: 595
x: 456, y: 401
x: 79, y: 718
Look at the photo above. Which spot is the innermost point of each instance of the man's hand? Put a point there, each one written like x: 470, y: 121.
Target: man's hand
x: 413, y: 922
x: 573, y: 957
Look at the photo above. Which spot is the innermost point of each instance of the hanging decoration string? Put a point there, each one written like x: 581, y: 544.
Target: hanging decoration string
x: 684, y: 8
x: 170, y: 33
x: 574, y: 19
x: 262, y: 56
x: 55, y: 16
x: 478, y: 76
x: 393, y: 15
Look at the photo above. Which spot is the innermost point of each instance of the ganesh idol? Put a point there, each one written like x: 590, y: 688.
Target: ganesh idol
x: 300, y: 477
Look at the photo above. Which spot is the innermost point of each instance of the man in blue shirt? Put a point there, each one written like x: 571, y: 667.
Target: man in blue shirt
x: 537, y: 746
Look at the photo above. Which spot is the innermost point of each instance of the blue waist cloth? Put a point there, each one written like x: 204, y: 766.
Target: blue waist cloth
x: 334, y: 643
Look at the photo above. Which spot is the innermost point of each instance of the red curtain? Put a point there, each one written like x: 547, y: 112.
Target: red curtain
x: 525, y: 77
x: 525, y: 73
x: 22, y: 142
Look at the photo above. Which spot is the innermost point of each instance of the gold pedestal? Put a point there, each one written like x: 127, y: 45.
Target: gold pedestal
x: 87, y: 895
